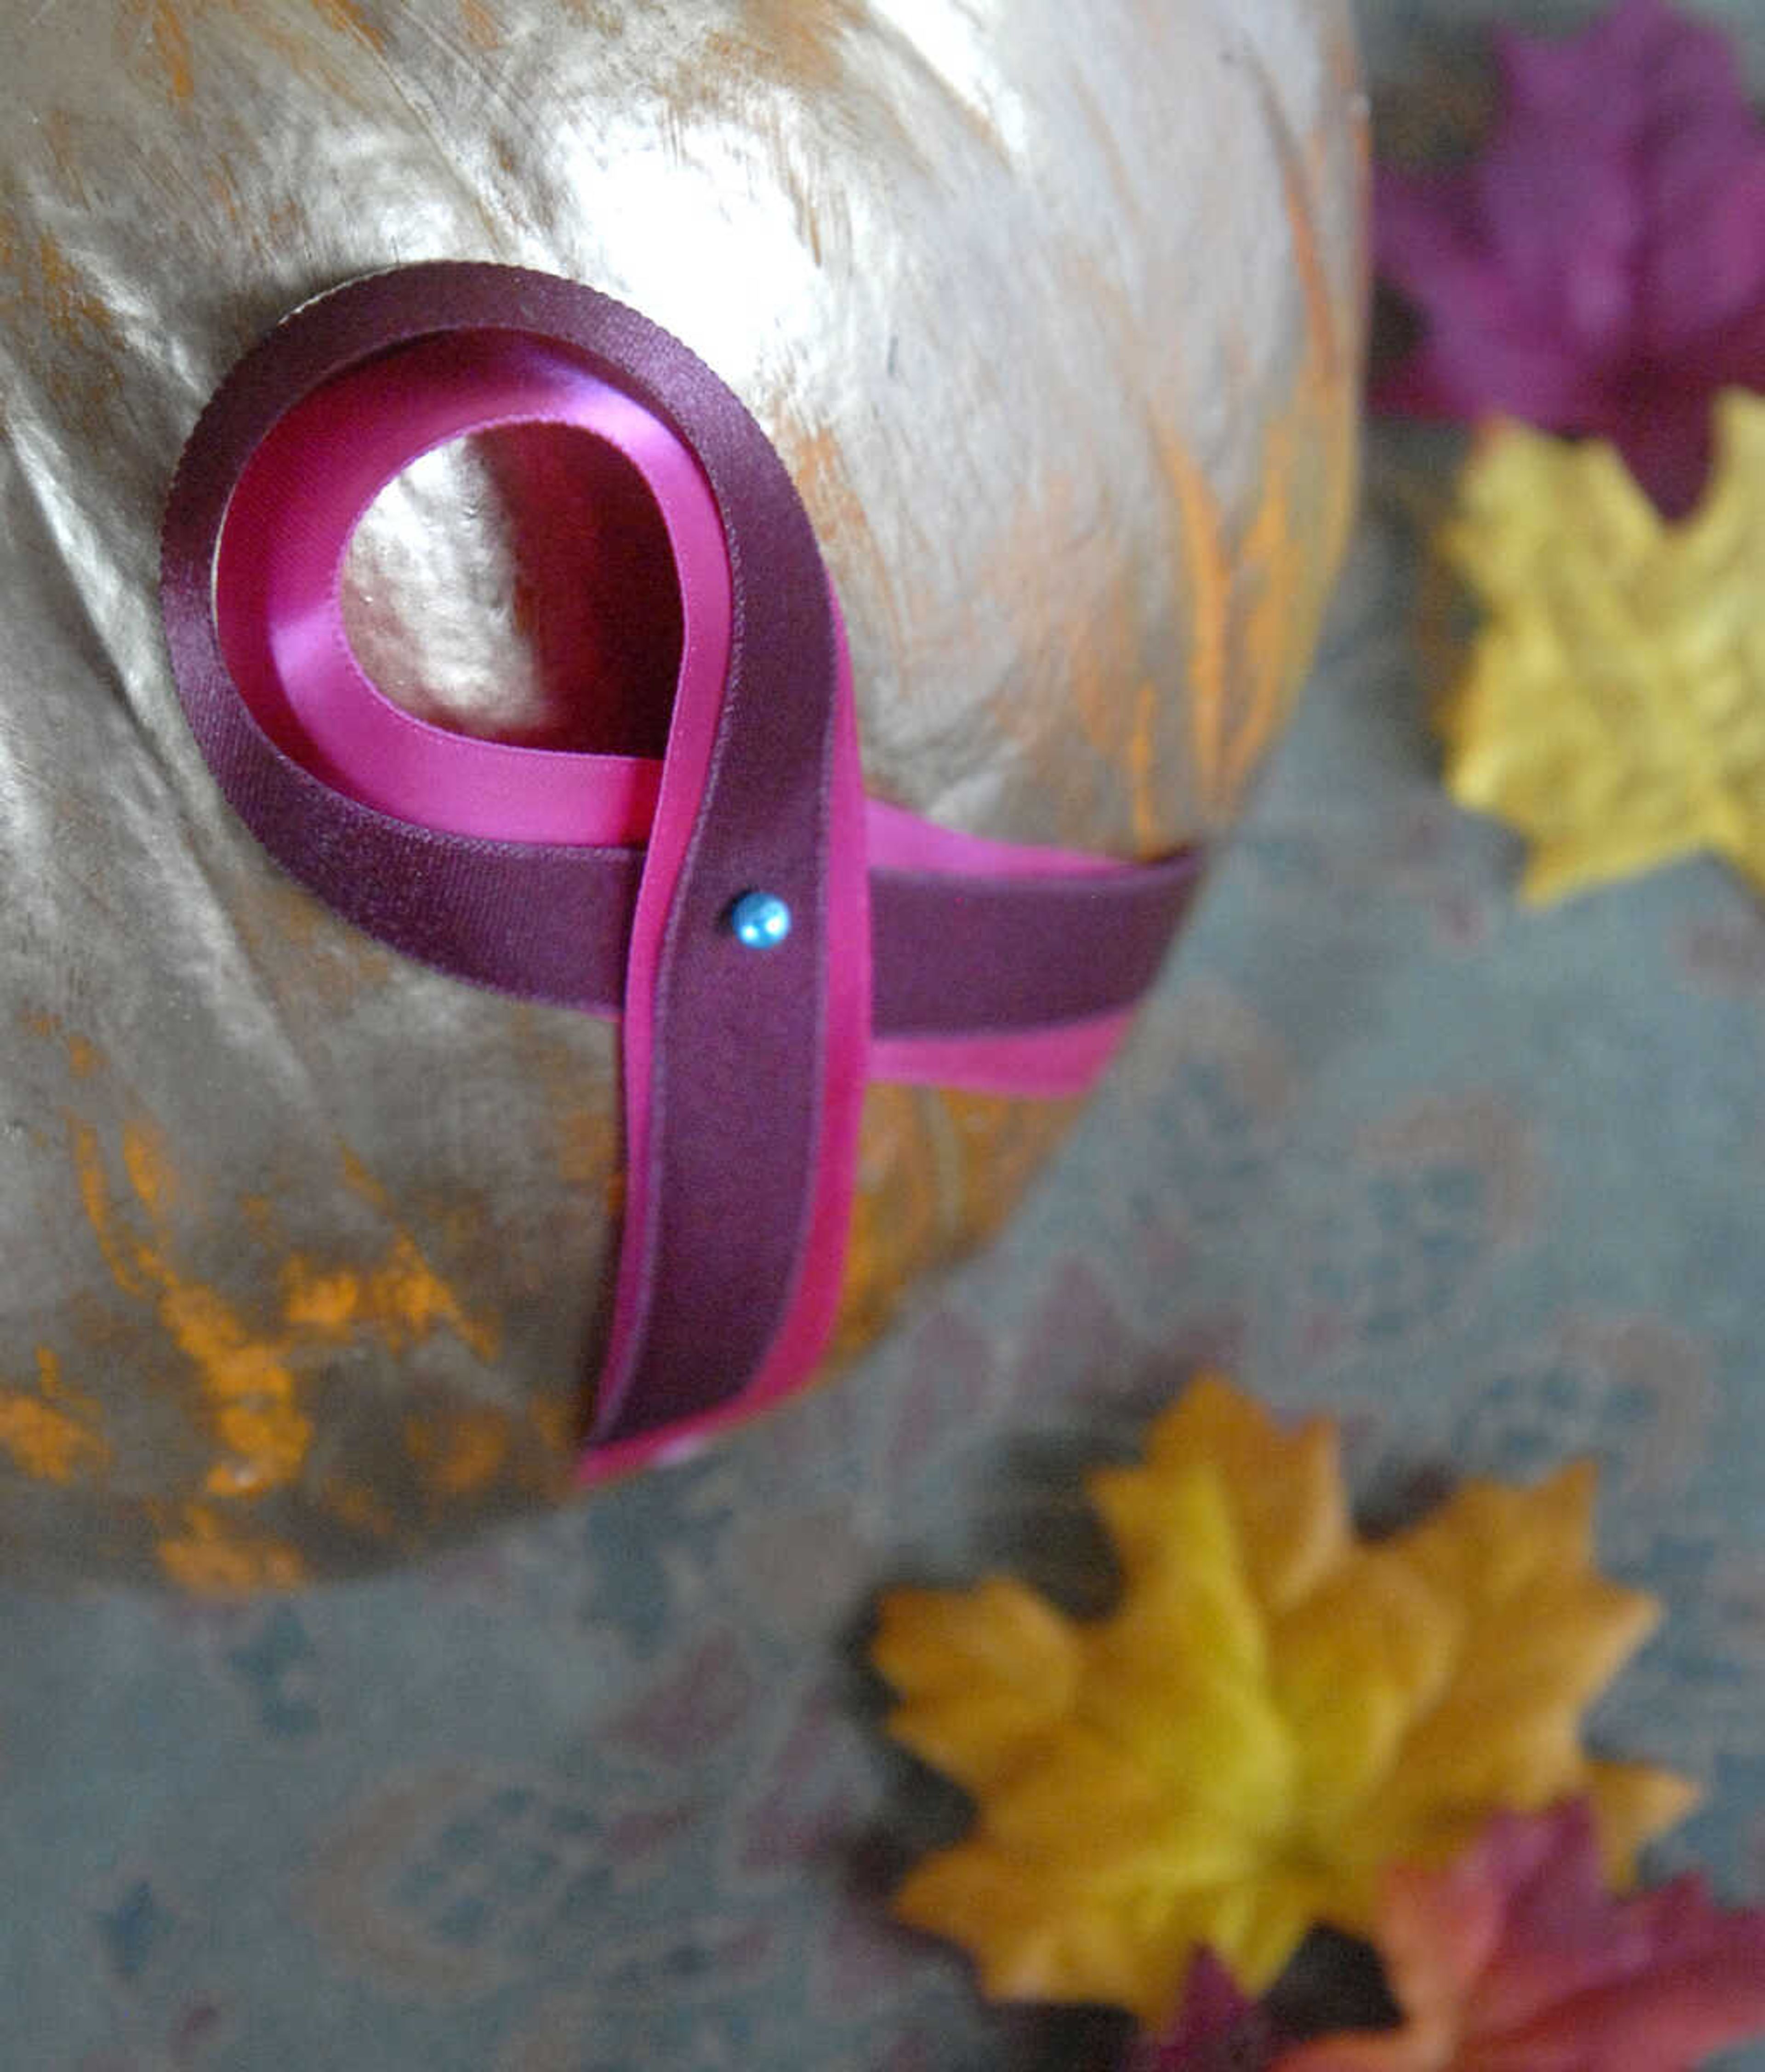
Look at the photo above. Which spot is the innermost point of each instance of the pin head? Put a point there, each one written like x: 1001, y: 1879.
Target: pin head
x: 760, y: 920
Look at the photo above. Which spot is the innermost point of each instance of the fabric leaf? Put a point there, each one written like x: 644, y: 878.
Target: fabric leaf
x: 1273, y: 1712
x: 1515, y: 1958
x: 1218, y: 2029
x: 1600, y: 269
x: 1613, y: 708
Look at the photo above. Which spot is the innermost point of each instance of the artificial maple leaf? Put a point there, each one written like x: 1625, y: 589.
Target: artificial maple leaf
x: 1274, y: 1711
x: 1613, y: 709
x: 1218, y: 2029
x: 1515, y: 1959
x: 1600, y: 269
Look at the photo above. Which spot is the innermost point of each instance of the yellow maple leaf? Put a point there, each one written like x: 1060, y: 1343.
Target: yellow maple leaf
x: 1274, y: 1711
x: 1613, y: 709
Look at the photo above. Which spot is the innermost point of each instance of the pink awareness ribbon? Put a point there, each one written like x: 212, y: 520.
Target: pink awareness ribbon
x: 769, y: 938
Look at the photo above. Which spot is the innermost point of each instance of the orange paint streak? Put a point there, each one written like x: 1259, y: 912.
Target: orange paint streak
x: 84, y: 1058
x: 896, y: 1223
x: 71, y: 310
x: 1281, y: 617
x: 223, y: 191
x: 325, y: 1304
x: 1207, y: 570
x: 409, y: 1300
x: 1300, y: 205
x: 1341, y: 55
x: 1255, y: 601
x: 70, y: 341
x: 52, y: 1437
x: 804, y: 45
x: 172, y: 30
x: 355, y: 1505
x: 362, y: 1182
x: 938, y: 1172
x: 171, y: 36
x: 248, y: 1385
x: 458, y: 1451
x: 1086, y: 673
x: 149, y: 1167
x: 212, y: 1558
x: 817, y: 462
x: 69, y: 306
x: 61, y: 134
x: 480, y: 25
x: 1279, y: 620
x: 403, y: 1300
x: 1142, y: 768
x: 248, y: 1379
x: 1098, y: 659
x: 344, y: 15
x: 584, y: 1134
x: 1329, y: 385
x: 94, y: 1183
x: 558, y: 1421
x: 588, y: 1148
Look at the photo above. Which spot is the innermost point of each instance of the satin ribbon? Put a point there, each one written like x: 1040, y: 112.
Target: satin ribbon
x: 606, y: 882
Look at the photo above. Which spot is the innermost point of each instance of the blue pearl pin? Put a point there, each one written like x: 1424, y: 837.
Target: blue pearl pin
x: 761, y: 920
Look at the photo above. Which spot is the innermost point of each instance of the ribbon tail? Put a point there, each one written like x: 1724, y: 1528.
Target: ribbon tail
x: 623, y: 1438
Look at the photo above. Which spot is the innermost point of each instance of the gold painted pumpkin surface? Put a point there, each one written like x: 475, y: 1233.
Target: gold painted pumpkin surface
x: 1057, y: 327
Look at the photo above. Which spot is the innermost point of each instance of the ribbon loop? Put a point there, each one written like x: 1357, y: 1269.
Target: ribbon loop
x: 608, y: 883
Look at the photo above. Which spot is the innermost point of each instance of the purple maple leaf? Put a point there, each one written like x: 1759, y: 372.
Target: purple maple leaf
x: 1216, y: 2030
x: 1600, y: 269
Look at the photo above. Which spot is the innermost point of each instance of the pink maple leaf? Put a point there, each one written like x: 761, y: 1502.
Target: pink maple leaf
x: 1600, y: 269
x: 1515, y: 1959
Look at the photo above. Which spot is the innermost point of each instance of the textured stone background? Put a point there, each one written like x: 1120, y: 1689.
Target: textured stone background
x: 608, y: 1792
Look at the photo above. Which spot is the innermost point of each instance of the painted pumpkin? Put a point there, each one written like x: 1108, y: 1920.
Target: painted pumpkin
x: 1057, y: 330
